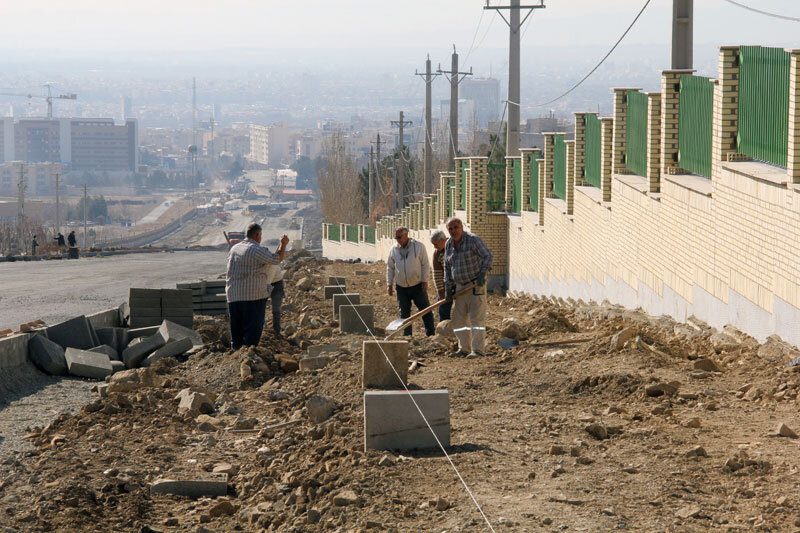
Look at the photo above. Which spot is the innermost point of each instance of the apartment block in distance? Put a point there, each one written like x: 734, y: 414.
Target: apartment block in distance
x: 269, y: 145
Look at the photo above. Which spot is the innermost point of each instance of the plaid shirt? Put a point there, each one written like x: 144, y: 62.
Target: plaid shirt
x: 248, y: 268
x: 466, y: 262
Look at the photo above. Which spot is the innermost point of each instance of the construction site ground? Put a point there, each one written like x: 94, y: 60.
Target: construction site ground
x: 600, y: 419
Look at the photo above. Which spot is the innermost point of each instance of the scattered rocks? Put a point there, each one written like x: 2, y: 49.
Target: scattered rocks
x: 707, y: 365
x: 319, y: 408
x: 512, y: 329
x: 442, y: 504
x: 696, y: 451
x: 222, y: 508
x: 598, y: 431
x: 345, y: 498
x: 192, y: 403
x: 693, y: 423
x: 619, y: 339
x: 690, y: 511
x: 304, y: 284
x: 785, y: 431
x: 661, y: 389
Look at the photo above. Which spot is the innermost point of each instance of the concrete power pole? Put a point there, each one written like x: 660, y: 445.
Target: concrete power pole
x: 400, y: 179
x: 194, y: 111
x: 514, y: 26
x: 682, y: 34
x: 378, y: 174
x: 21, y: 186
x: 455, y: 78
x: 84, y: 217
x: 58, y: 205
x: 427, y: 162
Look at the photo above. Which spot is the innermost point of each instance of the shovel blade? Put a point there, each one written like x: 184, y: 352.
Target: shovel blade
x: 394, y: 325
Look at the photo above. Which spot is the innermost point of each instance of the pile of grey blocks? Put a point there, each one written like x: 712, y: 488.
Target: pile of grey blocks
x: 208, y: 296
x: 150, y: 307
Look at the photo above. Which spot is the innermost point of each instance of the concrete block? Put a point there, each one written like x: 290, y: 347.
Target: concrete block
x: 314, y: 363
x: 141, y: 332
x: 175, y: 297
x: 335, y: 280
x: 344, y: 299
x: 47, y: 355
x: 135, y: 293
x: 108, y: 350
x: 142, y: 303
x: 319, y: 349
x: 183, y: 321
x: 74, y: 333
x: 118, y: 366
x: 356, y: 318
x: 141, y: 347
x: 330, y: 290
x: 171, y: 349
x: 141, y: 312
x: 392, y: 422
x: 208, y: 485
x: 170, y: 331
x: 87, y: 364
x: 145, y: 322
x: 376, y: 372
x: 117, y: 338
x: 186, y: 312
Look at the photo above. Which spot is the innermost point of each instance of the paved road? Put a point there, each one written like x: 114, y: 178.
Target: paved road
x: 57, y: 290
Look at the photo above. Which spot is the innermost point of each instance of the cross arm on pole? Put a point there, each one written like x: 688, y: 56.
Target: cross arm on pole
x: 500, y: 10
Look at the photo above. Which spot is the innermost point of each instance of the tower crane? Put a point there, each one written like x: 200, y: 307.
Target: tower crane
x: 48, y: 97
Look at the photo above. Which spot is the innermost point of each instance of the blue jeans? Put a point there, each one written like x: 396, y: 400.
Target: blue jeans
x: 276, y: 300
x: 247, y: 322
x: 408, y: 295
x: 444, y: 311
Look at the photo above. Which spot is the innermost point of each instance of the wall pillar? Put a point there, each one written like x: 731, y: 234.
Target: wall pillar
x: 654, y: 142
x: 606, y: 156
x: 549, y: 152
x: 542, y: 195
x: 620, y: 120
x: 529, y: 156
x: 793, y: 159
x: 580, y: 149
x: 726, y: 108
x: 570, y: 178
x: 508, y: 200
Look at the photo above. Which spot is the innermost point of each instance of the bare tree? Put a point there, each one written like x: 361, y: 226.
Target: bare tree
x: 340, y: 187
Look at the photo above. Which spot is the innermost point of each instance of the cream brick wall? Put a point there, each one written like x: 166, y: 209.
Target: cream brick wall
x: 793, y: 163
x: 670, y: 100
x: 654, y: 141
x: 580, y: 149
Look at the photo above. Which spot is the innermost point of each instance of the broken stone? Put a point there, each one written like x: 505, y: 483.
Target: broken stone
x: 697, y: 451
x: 87, y: 364
x: 722, y: 342
x: 133, y: 380
x: 597, y: 431
x: 445, y: 329
x: 661, y: 389
x: 690, y: 511
x: 692, y: 423
x: 214, y: 485
x: 345, y: 498
x: 193, y: 402
x: 619, y: 339
x: 785, y: 431
x: 304, y: 284
x: 707, y: 365
x: 141, y: 347
x: 319, y: 408
x: 222, y: 508
x: 512, y: 329
x: 112, y: 354
x: 386, y: 461
x: 557, y: 450
x: 288, y: 363
x: 319, y: 349
x: 442, y: 504
x: 171, y: 349
x: 314, y: 363
x: 171, y: 332
x: 47, y: 355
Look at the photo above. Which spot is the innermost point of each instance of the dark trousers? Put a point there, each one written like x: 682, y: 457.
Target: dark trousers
x: 247, y: 322
x: 276, y: 300
x: 444, y: 311
x: 415, y: 294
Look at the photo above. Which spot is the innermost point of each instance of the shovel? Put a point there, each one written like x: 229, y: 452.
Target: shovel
x: 400, y: 324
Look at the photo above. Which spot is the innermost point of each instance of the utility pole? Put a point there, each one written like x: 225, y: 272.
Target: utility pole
x: 400, y: 184
x: 194, y: 111
x: 682, y: 34
x: 21, y: 186
x: 427, y: 161
x: 58, y: 205
x: 84, y: 217
x: 370, y: 181
x: 514, y: 26
x: 378, y: 175
x: 455, y: 78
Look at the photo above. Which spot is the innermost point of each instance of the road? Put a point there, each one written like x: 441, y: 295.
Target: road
x: 57, y: 290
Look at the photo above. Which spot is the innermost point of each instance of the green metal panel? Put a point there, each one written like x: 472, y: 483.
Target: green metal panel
x: 517, y: 193
x: 559, y: 167
x: 497, y: 186
x: 763, y: 131
x: 594, y: 144
x: 369, y: 234
x: 334, y: 233
x: 534, y: 199
x: 451, y: 204
x: 352, y: 232
x: 464, y: 169
x: 695, y: 117
x: 636, y: 133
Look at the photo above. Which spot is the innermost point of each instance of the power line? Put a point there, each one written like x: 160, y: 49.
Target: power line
x: 760, y: 12
x: 647, y: 3
x: 477, y: 29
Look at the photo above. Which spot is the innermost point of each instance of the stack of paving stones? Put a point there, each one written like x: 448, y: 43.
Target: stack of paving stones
x: 150, y: 307
x: 208, y: 296
x: 353, y: 316
x: 76, y: 348
x: 391, y: 418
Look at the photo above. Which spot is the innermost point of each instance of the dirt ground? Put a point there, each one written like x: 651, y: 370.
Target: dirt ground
x: 600, y: 419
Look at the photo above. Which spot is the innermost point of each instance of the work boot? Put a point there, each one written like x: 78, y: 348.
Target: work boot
x: 459, y: 353
x: 474, y: 354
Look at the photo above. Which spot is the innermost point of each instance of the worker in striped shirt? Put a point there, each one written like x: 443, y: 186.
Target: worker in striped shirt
x: 247, y: 286
x: 438, y: 240
x: 467, y: 261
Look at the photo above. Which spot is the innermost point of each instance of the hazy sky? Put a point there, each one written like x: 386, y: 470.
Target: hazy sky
x: 99, y: 26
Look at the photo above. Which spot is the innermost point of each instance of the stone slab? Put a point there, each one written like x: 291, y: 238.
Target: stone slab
x: 47, y: 355
x: 352, y: 318
x: 319, y: 349
x: 170, y: 331
x: 85, y: 364
x: 112, y: 354
x: 376, y: 372
x: 145, y: 322
x: 175, y: 296
x: 186, y: 322
x: 348, y: 298
x: 139, y: 312
x: 336, y: 280
x: 135, y: 292
x: 141, y: 332
x: 178, y: 311
x: 73, y: 333
x: 208, y: 485
x: 330, y: 290
x: 141, y: 347
x: 392, y: 422
x: 118, y: 366
x: 171, y: 349
x: 314, y: 363
x: 117, y: 338
x: 136, y: 303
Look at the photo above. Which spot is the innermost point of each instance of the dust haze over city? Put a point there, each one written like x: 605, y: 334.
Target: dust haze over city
x: 631, y: 167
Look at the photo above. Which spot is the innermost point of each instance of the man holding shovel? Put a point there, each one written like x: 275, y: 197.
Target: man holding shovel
x: 467, y: 260
x: 408, y: 271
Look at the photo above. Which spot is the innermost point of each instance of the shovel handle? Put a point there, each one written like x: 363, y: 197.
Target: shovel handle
x: 425, y: 311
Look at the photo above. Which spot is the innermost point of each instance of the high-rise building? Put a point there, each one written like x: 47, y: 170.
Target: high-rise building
x: 39, y: 178
x: 269, y: 145
x: 485, y: 94
x: 126, y: 108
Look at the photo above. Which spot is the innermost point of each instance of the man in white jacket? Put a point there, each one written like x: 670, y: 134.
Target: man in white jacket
x: 408, y: 271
